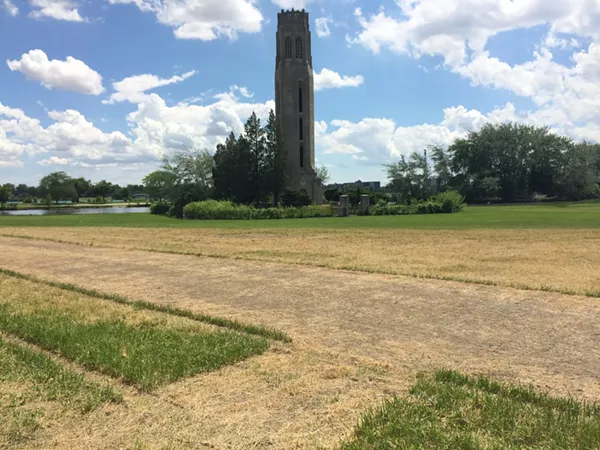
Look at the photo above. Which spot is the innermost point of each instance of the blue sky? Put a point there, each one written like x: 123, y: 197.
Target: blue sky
x: 104, y: 88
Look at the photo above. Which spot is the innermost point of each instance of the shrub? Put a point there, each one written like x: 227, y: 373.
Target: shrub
x: 451, y: 201
x: 161, y: 209
x: 296, y: 199
x: 226, y: 210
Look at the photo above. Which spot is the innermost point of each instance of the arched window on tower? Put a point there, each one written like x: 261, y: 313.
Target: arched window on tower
x: 299, y: 48
x: 301, y: 156
x: 288, y: 47
x: 300, y: 97
x: 300, y: 129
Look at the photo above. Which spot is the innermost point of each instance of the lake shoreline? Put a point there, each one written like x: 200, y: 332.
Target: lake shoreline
x: 32, y: 206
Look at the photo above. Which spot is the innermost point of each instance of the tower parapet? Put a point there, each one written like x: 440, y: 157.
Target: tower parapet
x: 292, y: 16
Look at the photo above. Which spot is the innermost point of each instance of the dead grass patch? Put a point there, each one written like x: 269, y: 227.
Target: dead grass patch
x: 555, y: 260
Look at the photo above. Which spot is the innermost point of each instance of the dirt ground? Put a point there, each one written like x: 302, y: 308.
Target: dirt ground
x: 357, y: 338
x: 560, y: 260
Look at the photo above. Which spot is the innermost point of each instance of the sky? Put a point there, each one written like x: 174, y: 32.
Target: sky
x: 105, y: 88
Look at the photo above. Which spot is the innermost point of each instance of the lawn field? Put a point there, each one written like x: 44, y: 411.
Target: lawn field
x: 469, y: 330
x: 548, y: 215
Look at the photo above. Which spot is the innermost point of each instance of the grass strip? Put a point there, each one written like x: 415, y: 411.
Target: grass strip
x: 52, y: 381
x: 257, y: 330
x: 145, y: 355
x: 450, y: 410
x: 28, y: 378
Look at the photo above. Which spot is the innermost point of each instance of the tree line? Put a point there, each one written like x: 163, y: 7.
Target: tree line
x: 59, y: 186
x: 501, y: 163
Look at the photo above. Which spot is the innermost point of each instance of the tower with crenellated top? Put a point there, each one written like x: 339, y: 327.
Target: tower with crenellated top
x: 294, y: 101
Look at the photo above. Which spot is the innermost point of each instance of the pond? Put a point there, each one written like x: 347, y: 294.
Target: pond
x: 74, y: 211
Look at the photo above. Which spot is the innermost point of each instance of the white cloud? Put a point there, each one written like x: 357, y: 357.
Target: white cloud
x: 288, y: 4
x: 322, y: 26
x: 155, y: 129
x: 567, y: 96
x: 56, y: 9
x: 451, y: 27
x: 11, y: 8
x: 133, y: 89
x: 328, y: 79
x: 71, y: 74
x: 205, y: 20
x: 54, y: 161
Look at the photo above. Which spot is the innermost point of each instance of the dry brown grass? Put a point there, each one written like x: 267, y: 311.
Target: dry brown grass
x: 30, y: 298
x: 554, y: 259
x: 357, y: 337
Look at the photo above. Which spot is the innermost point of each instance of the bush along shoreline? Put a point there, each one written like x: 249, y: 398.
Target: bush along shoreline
x: 443, y: 203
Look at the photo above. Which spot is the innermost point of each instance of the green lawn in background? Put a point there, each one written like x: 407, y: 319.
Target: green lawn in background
x: 549, y: 215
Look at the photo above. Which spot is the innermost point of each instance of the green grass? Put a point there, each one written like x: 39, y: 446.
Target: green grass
x: 257, y: 330
x: 145, y: 355
x: 41, y: 380
x: 549, y: 215
x: 449, y: 410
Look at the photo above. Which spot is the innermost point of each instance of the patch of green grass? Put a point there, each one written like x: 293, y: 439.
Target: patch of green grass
x: 547, y: 215
x: 146, y: 355
x: 41, y: 379
x: 450, y: 410
x: 257, y: 330
x: 52, y: 381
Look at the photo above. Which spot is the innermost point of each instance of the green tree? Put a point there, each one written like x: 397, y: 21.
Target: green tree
x: 225, y: 169
x: 83, y: 187
x: 21, y: 191
x: 254, y: 145
x: 275, y: 159
x: 6, y: 194
x: 159, y: 185
x: 102, y: 189
x: 58, y: 186
x: 323, y: 174
x: 578, y: 178
x: 441, y: 167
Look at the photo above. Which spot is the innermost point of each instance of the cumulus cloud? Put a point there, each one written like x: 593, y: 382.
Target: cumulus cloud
x: 206, y: 20
x: 54, y: 161
x: 377, y: 141
x: 156, y: 129
x: 10, y: 8
x: 133, y: 89
x: 56, y: 9
x: 329, y: 79
x: 322, y: 26
x: 71, y: 74
x: 567, y: 96
x: 297, y: 4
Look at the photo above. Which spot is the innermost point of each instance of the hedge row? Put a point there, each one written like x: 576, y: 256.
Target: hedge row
x: 225, y: 210
x: 446, y: 202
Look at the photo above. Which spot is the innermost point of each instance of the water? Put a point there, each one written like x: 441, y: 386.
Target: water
x: 75, y: 211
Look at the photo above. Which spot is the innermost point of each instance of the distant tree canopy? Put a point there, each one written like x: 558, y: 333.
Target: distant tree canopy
x: 507, y: 162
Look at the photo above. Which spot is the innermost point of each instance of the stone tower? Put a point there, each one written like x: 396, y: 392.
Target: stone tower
x: 294, y: 102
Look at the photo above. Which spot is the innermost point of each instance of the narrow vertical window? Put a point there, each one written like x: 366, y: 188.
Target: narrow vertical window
x: 300, y: 98
x: 288, y: 47
x: 301, y: 156
x: 299, y: 49
x: 301, y: 129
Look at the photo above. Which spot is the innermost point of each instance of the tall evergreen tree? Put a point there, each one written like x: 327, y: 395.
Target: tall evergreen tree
x: 275, y: 178
x: 254, y: 144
